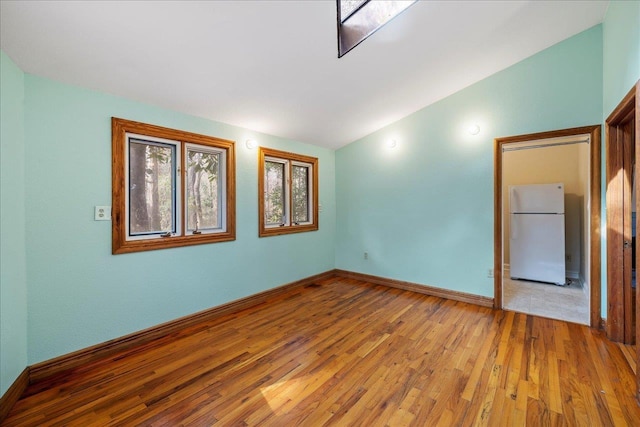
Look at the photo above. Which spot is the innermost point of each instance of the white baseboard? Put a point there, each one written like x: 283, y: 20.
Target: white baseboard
x: 573, y: 274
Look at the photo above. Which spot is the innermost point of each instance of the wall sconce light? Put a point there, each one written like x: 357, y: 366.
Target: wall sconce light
x: 392, y: 143
x: 251, y: 144
x: 474, y: 129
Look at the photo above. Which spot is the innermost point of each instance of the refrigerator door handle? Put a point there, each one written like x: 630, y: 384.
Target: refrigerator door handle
x: 513, y: 229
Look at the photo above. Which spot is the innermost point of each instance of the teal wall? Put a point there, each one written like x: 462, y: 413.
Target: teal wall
x: 80, y: 294
x: 621, y: 34
x: 13, y: 281
x: 621, y: 70
x: 424, y: 210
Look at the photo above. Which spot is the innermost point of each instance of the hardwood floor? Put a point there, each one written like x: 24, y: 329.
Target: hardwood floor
x: 343, y: 352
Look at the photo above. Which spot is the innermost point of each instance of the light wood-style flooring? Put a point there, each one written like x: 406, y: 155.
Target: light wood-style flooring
x: 343, y: 352
x: 570, y: 303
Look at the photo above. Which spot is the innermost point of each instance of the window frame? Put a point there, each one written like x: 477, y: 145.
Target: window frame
x: 222, y: 191
x: 176, y: 184
x: 121, y: 130
x: 364, y: 20
x: 344, y: 19
x: 290, y: 160
x: 285, y: 190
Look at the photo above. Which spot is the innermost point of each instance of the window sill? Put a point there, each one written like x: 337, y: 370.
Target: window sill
x: 129, y: 246
x: 278, y: 231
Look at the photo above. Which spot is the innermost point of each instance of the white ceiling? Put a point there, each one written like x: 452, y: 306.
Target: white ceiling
x: 272, y: 66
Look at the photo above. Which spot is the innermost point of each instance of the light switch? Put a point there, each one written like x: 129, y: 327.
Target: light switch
x: 103, y: 213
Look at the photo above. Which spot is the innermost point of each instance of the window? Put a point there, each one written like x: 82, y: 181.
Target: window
x: 287, y: 193
x: 170, y: 188
x: 358, y: 19
x: 349, y: 7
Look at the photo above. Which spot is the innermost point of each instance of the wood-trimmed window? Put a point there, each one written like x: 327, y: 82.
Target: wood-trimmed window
x: 170, y: 188
x: 287, y: 192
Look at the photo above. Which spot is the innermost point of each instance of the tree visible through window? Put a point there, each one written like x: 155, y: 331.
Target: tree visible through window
x: 170, y: 188
x: 151, y: 187
x: 274, y: 192
x: 300, y: 193
x: 288, y: 192
x: 203, y: 191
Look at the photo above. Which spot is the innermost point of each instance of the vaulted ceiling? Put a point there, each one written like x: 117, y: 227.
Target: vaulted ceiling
x: 272, y: 66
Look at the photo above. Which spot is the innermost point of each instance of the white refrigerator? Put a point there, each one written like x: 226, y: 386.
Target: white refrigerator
x: 536, y: 241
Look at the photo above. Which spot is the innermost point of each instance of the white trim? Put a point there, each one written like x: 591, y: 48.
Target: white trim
x: 310, y: 206
x: 175, y: 178
x: 286, y: 189
x: 222, y: 187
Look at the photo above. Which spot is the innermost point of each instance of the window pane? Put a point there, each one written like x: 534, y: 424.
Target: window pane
x: 151, y: 187
x: 203, y: 190
x: 365, y: 18
x: 347, y: 7
x: 300, y: 193
x: 274, y: 192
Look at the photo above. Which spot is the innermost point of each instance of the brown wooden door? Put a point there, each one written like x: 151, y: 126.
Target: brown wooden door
x: 621, y: 163
x: 628, y: 287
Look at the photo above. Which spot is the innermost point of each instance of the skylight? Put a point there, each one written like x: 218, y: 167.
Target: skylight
x: 358, y: 19
x: 347, y: 7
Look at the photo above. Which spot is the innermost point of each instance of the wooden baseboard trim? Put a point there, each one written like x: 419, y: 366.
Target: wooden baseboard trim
x: 58, y: 365
x: 13, y: 393
x: 61, y: 364
x: 421, y: 289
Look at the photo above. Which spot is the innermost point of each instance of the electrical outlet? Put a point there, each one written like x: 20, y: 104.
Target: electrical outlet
x: 366, y: 255
x: 490, y: 273
x: 102, y: 213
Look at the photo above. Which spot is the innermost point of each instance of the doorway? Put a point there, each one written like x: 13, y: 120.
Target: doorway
x: 593, y: 207
x: 545, y: 187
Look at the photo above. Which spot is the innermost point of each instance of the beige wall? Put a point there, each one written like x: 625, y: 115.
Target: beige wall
x: 564, y: 163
